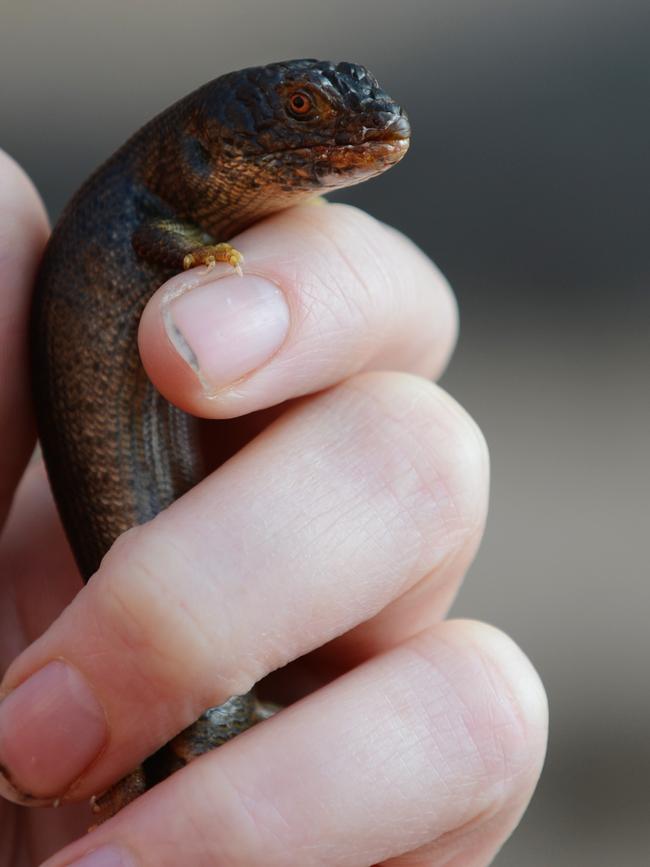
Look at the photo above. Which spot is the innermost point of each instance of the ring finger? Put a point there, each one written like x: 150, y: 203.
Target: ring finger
x: 431, y: 749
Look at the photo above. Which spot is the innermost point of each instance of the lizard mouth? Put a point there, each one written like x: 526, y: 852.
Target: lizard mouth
x: 368, y: 152
x: 380, y: 147
x: 350, y: 164
x: 382, y: 153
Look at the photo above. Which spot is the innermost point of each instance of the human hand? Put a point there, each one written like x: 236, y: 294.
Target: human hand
x: 326, y: 550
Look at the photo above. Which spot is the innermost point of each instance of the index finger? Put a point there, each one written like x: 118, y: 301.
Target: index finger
x: 327, y: 292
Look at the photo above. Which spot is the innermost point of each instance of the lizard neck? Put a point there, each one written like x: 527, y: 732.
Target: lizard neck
x: 222, y: 193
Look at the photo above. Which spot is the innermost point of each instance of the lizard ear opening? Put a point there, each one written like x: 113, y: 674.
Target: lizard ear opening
x: 197, y: 154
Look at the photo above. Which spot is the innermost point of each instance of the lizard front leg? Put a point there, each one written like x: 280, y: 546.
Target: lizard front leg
x: 180, y: 244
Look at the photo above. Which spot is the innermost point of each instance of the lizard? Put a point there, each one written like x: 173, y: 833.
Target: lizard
x: 240, y: 148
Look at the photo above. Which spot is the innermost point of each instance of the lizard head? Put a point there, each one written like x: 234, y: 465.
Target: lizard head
x: 301, y: 126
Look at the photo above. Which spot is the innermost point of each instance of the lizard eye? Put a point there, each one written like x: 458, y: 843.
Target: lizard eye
x: 300, y: 104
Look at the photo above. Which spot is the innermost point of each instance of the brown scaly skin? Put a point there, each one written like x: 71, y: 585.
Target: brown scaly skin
x: 243, y: 146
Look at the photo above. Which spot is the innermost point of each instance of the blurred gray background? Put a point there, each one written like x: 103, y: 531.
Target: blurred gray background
x: 528, y: 182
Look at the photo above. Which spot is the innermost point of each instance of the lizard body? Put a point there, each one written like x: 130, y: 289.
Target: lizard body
x: 239, y: 148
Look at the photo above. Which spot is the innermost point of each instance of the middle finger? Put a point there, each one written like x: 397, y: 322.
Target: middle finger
x: 341, y: 506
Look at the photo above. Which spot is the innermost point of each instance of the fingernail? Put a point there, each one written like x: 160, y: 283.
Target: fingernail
x: 51, y: 728
x: 106, y: 856
x: 227, y: 328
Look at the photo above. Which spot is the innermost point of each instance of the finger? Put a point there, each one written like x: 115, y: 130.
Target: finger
x: 418, y: 608
x: 23, y: 232
x: 327, y: 292
x: 317, y: 525
x: 38, y: 576
x: 436, y: 744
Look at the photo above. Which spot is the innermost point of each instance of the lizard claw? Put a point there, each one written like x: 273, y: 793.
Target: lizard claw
x: 213, y: 253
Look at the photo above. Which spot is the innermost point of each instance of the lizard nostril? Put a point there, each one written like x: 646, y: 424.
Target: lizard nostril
x: 388, y: 127
x: 400, y: 128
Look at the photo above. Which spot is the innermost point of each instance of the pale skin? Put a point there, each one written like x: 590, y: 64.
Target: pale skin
x: 330, y: 547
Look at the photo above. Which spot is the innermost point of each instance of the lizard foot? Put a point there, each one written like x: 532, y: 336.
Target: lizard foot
x: 118, y: 796
x: 211, y: 254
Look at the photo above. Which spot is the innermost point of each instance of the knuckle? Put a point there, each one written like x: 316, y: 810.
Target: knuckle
x: 478, y: 676
x: 375, y: 276
x: 433, y: 455
x: 156, y: 624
